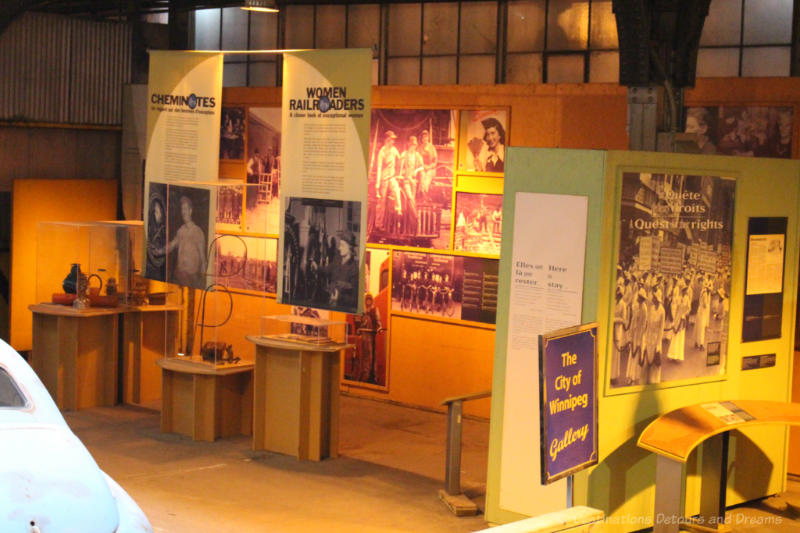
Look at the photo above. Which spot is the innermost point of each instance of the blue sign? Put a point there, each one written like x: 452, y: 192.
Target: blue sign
x: 568, y: 395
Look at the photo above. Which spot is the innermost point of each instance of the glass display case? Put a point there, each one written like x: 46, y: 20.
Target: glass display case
x: 194, y: 240
x: 88, y: 264
x: 304, y: 330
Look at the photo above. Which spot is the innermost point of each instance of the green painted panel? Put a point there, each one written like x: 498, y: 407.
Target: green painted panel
x: 622, y: 483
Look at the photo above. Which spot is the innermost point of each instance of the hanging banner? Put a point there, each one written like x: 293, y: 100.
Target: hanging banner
x: 325, y: 140
x: 184, y: 98
x: 183, y: 116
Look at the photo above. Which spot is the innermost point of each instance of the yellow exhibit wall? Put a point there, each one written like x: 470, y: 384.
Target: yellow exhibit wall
x: 794, y: 438
x: 622, y: 484
x: 35, y: 201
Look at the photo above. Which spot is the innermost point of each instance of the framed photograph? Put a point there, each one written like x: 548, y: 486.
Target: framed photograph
x: 482, y: 140
x: 761, y: 131
x: 263, y: 169
x: 411, y: 177
x: 427, y: 284
x: 156, y: 230
x: 367, y: 363
x: 232, y: 133
x: 243, y: 262
x: 190, y: 220
x: 671, y: 300
x: 479, y: 223
x: 321, y: 256
x: 229, y: 207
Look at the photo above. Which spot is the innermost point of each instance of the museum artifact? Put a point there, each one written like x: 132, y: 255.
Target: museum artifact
x: 111, y: 287
x: 81, y: 300
x: 218, y: 351
x: 71, y: 281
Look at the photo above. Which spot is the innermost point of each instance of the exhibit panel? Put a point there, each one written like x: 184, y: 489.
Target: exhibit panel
x: 763, y: 188
x: 622, y: 484
x: 548, y: 280
x: 460, y: 261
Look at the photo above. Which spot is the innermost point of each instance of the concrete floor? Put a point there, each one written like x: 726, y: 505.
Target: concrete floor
x: 386, y: 479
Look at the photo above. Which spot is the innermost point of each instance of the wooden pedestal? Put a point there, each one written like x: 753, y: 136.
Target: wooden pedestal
x: 149, y: 333
x: 204, y: 402
x: 75, y: 354
x: 296, y: 398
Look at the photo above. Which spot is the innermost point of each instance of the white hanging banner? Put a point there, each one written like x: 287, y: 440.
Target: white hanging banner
x: 325, y: 142
x: 183, y: 115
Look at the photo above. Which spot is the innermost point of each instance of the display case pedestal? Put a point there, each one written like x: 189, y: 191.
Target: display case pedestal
x: 206, y: 402
x: 149, y: 333
x: 296, y: 398
x: 75, y: 354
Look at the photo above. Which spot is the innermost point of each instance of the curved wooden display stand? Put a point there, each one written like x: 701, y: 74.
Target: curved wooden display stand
x: 206, y: 402
x: 674, y: 435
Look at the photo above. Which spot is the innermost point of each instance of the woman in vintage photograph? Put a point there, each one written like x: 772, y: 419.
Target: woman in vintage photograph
x: 343, y: 273
x: 156, y: 238
x: 492, y: 159
x: 698, y: 121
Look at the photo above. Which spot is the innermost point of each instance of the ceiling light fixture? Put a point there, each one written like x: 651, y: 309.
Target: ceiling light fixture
x: 263, y: 6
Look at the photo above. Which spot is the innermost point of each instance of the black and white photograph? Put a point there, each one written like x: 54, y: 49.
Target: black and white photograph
x: 411, y: 163
x: 482, y: 143
x: 320, y: 256
x: 244, y: 262
x: 156, y: 217
x: 188, y: 228
x: 673, y: 280
x: 479, y: 223
x: 366, y: 363
x: 427, y: 284
x: 229, y: 207
x: 262, y: 200
x: 232, y: 133
x: 758, y: 131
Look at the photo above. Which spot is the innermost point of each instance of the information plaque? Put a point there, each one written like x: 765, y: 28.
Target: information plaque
x: 568, y: 391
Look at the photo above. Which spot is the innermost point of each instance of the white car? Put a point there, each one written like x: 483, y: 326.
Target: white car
x: 49, y: 483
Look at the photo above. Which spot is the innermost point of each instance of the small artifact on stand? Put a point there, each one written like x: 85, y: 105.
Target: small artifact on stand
x: 138, y: 290
x: 218, y: 352
x: 70, y: 282
x: 111, y: 287
x: 97, y: 299
x: 81, y: 291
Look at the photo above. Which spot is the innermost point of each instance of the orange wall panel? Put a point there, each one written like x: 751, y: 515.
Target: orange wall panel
x: 35, y: 201
x: 430, y: 360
